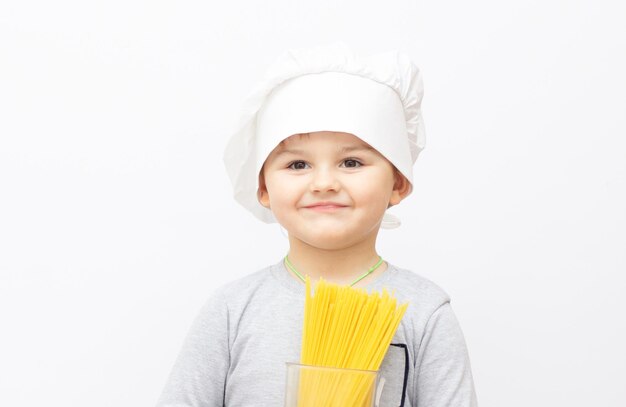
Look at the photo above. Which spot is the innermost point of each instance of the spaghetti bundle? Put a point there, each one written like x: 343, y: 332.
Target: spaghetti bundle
x: 345, y: 328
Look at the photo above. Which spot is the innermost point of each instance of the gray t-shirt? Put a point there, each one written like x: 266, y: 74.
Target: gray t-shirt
x: 235, y: 352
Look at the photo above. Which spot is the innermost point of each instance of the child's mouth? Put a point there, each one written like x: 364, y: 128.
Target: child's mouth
x: 326, y: 207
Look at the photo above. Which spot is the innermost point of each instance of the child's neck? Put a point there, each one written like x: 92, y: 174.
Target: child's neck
x: 340, y: 266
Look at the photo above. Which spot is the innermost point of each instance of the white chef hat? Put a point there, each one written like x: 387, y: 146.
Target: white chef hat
x: 328, y: 88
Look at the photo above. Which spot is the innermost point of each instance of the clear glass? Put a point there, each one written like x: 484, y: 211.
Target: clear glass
x: 317, y: 386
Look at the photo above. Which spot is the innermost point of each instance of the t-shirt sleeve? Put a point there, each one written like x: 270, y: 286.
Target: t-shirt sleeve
x: 444, y: 374
x: 199, y: 373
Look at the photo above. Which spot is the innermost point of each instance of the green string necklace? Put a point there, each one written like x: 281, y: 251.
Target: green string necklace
x: 367, y: 273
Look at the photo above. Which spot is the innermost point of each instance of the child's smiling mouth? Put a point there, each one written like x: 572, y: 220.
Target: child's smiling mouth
x: 326, y: 206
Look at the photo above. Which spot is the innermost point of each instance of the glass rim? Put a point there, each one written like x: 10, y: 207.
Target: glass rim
x: 330, y: 368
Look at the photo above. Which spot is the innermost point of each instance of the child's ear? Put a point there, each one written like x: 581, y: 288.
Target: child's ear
x: 401, y: 188
x: 262, y: 195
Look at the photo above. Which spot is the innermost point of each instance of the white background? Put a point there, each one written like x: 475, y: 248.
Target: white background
x: 116, y: 216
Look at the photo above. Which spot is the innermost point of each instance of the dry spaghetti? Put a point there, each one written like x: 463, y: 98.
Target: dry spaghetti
x: 346, y: 328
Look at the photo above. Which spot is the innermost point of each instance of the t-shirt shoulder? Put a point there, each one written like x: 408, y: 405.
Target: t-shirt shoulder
x: 417, y: 289
x: 241, y: 289
x: 247, y: 282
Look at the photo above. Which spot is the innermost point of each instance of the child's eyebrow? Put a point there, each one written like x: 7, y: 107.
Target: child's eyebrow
x: 347, y: 149
x: 289, y: 151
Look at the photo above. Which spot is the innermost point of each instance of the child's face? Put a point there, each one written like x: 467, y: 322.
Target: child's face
x: 355, y: 181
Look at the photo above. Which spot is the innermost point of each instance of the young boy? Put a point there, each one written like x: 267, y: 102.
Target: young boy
x: 327, y: 145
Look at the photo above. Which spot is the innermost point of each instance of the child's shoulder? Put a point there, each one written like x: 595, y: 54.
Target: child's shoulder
x: 417, y: 289
x: 238, y: 294
x: 243, y: 286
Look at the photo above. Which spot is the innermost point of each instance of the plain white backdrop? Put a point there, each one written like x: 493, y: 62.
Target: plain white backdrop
x: 116, y: 215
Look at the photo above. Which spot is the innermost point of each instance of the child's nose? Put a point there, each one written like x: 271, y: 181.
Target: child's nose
x: 324, y: 180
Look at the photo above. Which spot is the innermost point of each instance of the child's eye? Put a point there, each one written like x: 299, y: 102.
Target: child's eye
x: 297, y: 165
x: 352, y: 163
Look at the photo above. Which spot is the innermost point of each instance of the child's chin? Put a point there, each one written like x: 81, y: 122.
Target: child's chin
x: 330, y: 241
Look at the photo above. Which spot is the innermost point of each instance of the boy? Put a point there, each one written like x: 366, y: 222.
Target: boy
x: 327, y: 145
